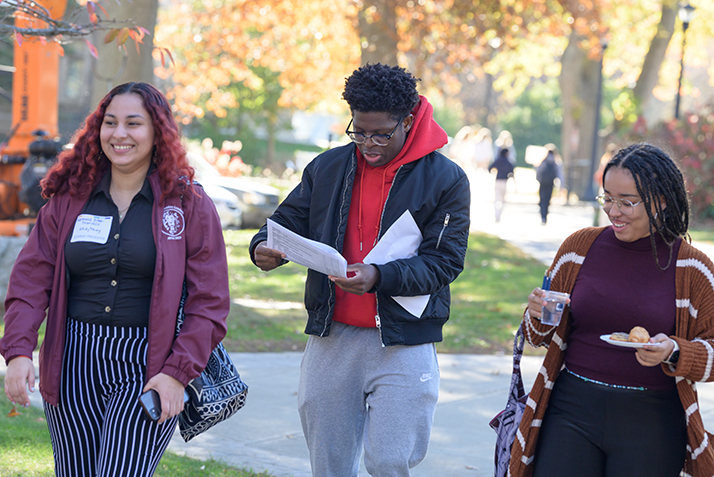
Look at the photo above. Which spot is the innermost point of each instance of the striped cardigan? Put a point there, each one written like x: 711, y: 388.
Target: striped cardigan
x: 694, y: 334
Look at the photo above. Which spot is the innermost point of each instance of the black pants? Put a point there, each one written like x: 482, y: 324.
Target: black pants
x: 591, y: 430
x: 97, y: 429
x: 545, y: 192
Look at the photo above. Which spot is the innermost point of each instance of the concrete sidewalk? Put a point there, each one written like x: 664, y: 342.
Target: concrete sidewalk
x: 266, y: 435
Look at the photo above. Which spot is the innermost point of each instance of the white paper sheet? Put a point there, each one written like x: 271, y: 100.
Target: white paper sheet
x: 308, y: 253
x: 402, y: 240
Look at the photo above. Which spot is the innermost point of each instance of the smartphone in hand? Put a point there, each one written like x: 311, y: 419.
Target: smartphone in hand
x: 150, y: 402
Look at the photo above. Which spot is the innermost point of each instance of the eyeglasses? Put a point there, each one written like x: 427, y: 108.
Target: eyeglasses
x: 625, y: 206
x: 377, y: 139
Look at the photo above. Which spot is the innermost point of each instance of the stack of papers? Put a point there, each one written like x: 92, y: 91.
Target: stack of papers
x: 401, y: 241
x: 308, y: 253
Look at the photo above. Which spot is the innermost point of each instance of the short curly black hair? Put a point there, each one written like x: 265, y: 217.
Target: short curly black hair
x: 381, y: 88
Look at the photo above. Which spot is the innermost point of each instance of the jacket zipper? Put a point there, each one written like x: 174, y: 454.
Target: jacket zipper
x: 377, y: 319
x: 446, y: 223
x: 331, y: 286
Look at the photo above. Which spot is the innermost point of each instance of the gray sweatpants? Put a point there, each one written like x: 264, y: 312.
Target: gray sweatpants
x: 353, y: 391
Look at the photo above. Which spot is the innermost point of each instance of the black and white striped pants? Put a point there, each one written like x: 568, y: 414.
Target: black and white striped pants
x: 98, y: 429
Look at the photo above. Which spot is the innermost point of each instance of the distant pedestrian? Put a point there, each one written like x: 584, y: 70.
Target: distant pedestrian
x: 504, y: 170
x: 505, y: 141
x: 546, y: 173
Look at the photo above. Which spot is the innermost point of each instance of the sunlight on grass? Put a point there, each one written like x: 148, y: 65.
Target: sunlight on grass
x: 488, y: 298
x: 172, y: 465
x: 265, y: 330
x: 25, y: 448
x: 286, y: 283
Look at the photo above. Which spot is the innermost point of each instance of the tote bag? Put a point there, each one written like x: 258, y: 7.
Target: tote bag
x: 507, y: 421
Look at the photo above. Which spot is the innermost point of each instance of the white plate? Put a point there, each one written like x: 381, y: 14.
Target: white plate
x: 626, y: 344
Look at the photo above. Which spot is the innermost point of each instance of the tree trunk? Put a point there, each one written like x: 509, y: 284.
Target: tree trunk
x: 114, y: 67
x: 569, y: 74
x: 378, y: 32
x: 655, y: 55
x: 578, y: 83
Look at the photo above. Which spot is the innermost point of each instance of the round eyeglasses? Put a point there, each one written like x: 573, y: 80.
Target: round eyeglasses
x: 627, y: 207
x: 377, y: 139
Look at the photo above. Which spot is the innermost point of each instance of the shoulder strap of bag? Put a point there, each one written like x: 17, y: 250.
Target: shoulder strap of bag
x: 516, y: 378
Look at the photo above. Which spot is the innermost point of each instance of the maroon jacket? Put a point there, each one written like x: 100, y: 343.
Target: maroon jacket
x: 189, y: 242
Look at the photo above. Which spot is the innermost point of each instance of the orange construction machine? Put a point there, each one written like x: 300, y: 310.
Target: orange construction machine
x: 31, y: 147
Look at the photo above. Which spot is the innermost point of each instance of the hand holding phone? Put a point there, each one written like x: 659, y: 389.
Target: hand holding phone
x: 150, y: 402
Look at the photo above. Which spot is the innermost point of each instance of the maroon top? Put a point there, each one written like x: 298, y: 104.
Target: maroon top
x: 619, y: 287
x: 189, y: 243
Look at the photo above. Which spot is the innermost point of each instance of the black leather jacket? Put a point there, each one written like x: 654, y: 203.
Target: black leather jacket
x: 436, y: 192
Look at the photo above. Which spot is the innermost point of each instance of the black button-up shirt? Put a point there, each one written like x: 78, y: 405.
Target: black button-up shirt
x: 111, y: 264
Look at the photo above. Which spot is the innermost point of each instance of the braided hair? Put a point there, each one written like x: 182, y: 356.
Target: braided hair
x: 381, y: 88
x: 657, y: 177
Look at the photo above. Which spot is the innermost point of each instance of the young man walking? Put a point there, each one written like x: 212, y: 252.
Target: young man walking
x: 369, y: 377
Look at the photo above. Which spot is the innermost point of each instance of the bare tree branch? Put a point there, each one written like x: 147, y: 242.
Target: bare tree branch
x: 41, y: 24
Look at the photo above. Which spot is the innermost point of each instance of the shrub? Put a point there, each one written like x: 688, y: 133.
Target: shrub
x: 690, y: 142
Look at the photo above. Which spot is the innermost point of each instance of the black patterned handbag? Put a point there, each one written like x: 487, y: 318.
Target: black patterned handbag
x: 215, y: 395
x: 507, y: 421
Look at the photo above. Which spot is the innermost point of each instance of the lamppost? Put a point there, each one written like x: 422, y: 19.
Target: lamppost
x: 686, y: 13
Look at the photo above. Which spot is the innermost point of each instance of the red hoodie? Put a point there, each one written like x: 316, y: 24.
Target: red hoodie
x: 369, y: 194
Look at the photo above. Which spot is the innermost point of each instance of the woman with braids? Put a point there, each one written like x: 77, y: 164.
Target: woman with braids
x: 602, y: 410
x: 106, y: 261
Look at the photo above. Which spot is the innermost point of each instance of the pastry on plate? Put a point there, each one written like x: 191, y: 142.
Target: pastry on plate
x: 639, y: 335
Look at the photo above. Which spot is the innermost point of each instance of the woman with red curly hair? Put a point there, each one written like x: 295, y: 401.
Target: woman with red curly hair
x: 106, y: 261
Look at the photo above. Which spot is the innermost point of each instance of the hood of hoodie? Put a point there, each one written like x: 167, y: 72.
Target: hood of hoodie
x: 370, y: 191
x: 425, y: 136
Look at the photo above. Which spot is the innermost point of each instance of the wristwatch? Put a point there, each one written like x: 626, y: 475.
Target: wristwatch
x: 674, y: 356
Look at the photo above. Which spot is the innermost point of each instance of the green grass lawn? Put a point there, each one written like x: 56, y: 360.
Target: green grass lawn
x: 488, y: 299
x: 26, y: 451
x: 702, y: 235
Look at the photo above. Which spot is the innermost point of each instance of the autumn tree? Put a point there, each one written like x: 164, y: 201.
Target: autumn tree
x: 453, y: 43
x: 234, y: 55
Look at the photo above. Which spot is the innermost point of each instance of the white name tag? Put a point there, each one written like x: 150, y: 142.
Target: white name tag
x: 91, y: 228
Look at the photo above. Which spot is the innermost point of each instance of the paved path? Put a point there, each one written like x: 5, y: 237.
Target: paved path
x: 266, y: 435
